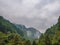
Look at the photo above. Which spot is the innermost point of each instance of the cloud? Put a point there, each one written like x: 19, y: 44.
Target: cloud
x: 40, y: 14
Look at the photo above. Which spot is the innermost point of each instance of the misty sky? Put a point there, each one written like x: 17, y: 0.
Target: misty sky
x: 39, y: 14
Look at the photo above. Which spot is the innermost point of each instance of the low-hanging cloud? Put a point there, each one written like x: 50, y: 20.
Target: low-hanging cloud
x: 40, y: 14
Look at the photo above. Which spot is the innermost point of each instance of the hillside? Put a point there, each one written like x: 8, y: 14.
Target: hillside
x: 51, y: 36
x: 15, y: 34
x: 27, y: 33
x: 6, y: 26
x: 9, y: 35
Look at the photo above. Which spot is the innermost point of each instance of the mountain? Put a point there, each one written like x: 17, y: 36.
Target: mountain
x: 51, y: 36
x: 10, y: 34
x: 6, y: 26
x: 29, y: 33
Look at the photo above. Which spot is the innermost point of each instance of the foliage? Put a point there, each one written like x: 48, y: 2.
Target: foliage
x: 51, y: 36
x: 9, y: 34
x: 34, y: 43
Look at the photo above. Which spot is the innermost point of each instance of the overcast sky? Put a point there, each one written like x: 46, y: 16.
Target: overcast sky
x: 39, y: 14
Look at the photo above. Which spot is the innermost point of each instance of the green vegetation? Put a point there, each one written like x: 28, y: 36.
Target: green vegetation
x: 51, y: 36
x: 11, y: 39
x: 10, y: 35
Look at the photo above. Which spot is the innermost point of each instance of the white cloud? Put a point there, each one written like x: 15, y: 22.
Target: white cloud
x: 40, y: 14
x: 53, y: 6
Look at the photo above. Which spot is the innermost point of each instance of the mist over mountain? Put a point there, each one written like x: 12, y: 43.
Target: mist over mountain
x: 29, y: 22
x: 17, y: 33
x: 30, y: 33
x: 27, y: 33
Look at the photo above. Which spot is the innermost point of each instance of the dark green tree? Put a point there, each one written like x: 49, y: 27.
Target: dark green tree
x: 47, y: 40
x: 28, y: 42
x: 34, y: 43
x: 58, y: 23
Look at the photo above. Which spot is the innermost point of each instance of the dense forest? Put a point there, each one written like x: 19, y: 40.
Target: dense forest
x: 11, y: 35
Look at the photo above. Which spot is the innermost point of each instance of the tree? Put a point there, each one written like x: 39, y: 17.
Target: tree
x: 59, y: 23
x: 28, y: 42
x: 34, y: 43
x: 47, y: 40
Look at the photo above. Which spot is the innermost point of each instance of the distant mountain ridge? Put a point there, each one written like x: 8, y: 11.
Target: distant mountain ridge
x: 27, y: 33
x: 30, y: 33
